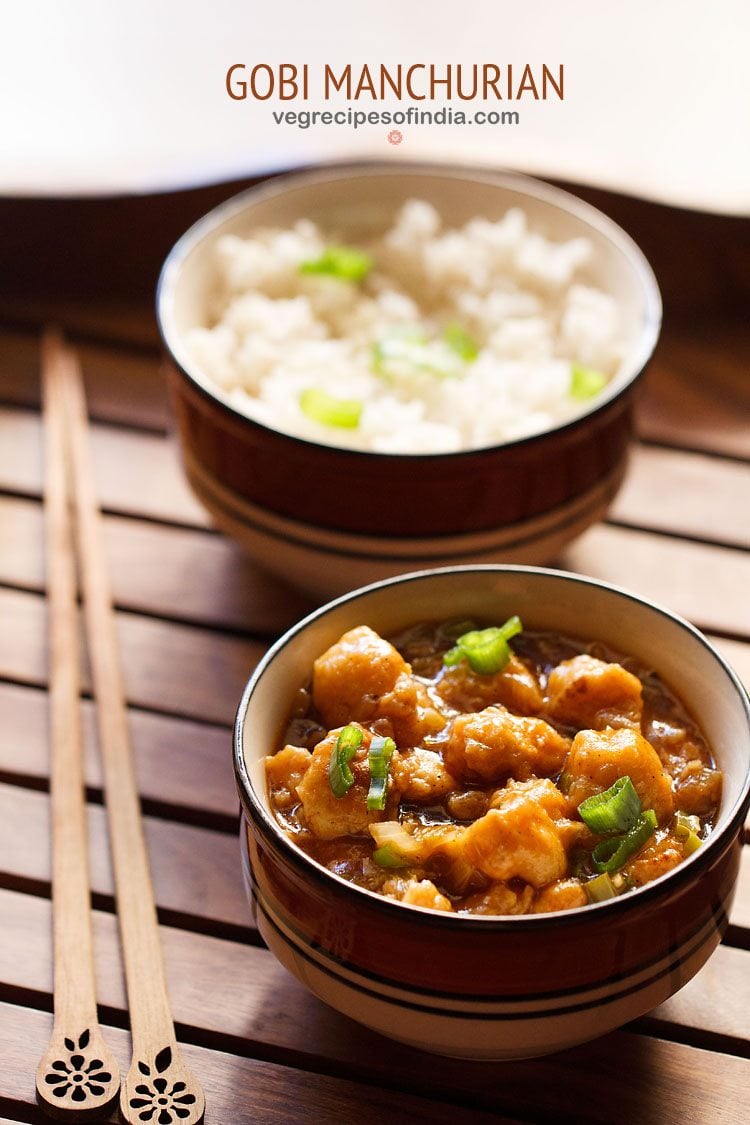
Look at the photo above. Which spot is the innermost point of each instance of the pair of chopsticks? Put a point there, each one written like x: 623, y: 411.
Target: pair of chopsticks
x: 78, y: 1076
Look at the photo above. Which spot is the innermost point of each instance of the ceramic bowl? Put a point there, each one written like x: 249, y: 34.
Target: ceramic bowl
x: 327, y: 518
x: 490, y: 987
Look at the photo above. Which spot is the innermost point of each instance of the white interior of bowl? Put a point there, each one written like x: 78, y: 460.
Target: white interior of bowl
x: 357, y: 202
x: 544, y: 600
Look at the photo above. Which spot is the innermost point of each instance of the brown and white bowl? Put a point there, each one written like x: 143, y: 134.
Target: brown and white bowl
x: 488, y: 987
x: 327, y: 518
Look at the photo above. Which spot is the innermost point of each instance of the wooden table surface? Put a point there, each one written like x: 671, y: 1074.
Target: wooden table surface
x: 195, y: 615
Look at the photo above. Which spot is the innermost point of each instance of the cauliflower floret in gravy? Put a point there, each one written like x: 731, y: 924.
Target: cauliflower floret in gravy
x: 363, y: 678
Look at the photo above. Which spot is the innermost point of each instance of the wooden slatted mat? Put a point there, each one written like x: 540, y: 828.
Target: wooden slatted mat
x: 194, y: 616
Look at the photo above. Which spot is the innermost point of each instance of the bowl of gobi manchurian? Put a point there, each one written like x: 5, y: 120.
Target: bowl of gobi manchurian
x: 492, y: 811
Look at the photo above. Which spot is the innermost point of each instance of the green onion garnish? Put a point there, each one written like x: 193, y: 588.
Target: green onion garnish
x: 387, y: 856
x: 610, y: 855
x: 685, y: 824
x: 406, y: 351
x: 600, y: 888
x: 585, y: 383
x: 381, y: 752
x: 487, y: 650
x: 615, y: 810
x: 459, y: 341
x: 687, y: 828
x: 392, y: 834
x: 341, y: 262
x: 331, y: 411
x: 339, y: 774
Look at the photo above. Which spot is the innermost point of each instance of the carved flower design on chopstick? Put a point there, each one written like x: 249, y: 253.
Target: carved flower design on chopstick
x: 82, y: 1077
x: 157, y: 1097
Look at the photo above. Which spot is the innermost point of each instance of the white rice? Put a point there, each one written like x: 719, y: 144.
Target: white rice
x: 275, y: 332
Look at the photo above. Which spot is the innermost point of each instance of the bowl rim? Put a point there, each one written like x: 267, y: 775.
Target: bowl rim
x: 686, y: 871
x: 312, y: 175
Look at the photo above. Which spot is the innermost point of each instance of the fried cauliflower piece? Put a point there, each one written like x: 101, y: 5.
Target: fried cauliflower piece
x: 499, y: 899
x: 494, y: 743
x: 564, y: 894
x: 517, y: 839
x: 516, y: 687
x: 654, y: 859
x: 351, y: 677
x: 363, y: 678
x: 547, y: 796
x: 417, y: 892
x: 327, y: 815
x: 697, y: 788
x: 421, y: 776
x: 598, y: 758
x: 586, y: 692
x: 284, y: 772
x: 539, y: 789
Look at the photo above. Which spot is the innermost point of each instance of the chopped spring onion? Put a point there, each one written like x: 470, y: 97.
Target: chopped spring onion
x: 585, y: 383
x: 393, y: 834
x: 684, y: 824
x: 404, y: 352
x: 347, y: 745
x: 388, y: 856
x: 342, y: 262
x: 487, y: 650
x: 380, y: 754
x: 610, y: 855
x: 459, y: 341
x: 331, y: 411
x: 600, y: 888
x: 615, y: 810
x: 691, y: 843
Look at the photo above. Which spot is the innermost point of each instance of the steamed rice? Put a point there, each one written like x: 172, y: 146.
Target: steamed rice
x: 516, y: 297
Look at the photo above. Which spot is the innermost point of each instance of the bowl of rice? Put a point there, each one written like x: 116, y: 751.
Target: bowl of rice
x: 381, y: 367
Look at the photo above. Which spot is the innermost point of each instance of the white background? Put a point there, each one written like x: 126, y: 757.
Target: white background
x: 107, y: 96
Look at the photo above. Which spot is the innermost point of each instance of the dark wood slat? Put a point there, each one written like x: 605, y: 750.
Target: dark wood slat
x: 706, y: 584
x: 125, y: 322
x: 697, y: 394
x: 122, y: 386
x: 181, y: 765
x: 740, y: 915
x: 137, y: 473
x: 724, y: 982
x: 681, y: 574
x: 173, y: 668
x: 686, y: 494
x: 239, y: 997
x: 689, y: 494
x: 196, y: 871
x: 166, y: 571
x: 238, y: 1091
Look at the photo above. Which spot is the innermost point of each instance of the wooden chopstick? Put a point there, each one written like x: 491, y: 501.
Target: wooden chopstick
x: 157, y: 1079
x: 78, y: 1073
